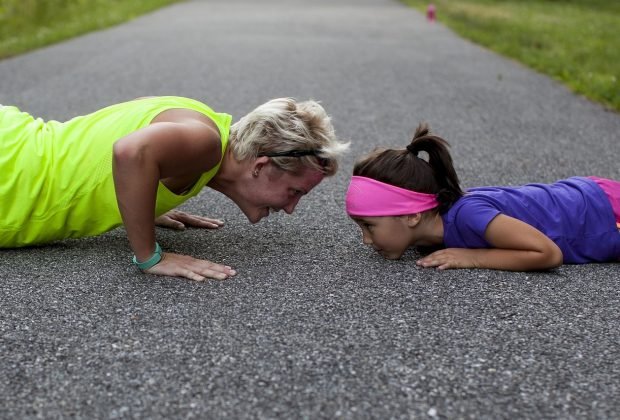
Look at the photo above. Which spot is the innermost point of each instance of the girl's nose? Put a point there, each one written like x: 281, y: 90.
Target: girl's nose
x: 366, y: 239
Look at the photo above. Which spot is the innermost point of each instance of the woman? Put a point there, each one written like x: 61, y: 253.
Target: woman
x: 132, y: 163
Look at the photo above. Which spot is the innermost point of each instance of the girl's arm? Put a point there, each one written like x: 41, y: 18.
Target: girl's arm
x: 518, y: 246
x: 140, y: 160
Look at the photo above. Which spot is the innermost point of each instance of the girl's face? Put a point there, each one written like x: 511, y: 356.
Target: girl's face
x: 390, y: 236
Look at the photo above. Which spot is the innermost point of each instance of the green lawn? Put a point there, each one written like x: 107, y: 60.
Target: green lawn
x: 29, y: 24
x: 574, y: 41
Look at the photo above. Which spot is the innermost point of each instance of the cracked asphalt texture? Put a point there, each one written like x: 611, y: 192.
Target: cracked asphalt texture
x: 315, y: 325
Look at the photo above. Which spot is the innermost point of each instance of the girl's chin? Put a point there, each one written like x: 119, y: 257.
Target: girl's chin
x: 390, y: 255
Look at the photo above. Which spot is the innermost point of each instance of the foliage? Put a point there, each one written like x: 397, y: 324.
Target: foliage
x: 28, y: 24
x: 573, y: 41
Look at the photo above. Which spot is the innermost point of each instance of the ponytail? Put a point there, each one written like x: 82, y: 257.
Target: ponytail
x: 440, y: 161
x: 404, y: 168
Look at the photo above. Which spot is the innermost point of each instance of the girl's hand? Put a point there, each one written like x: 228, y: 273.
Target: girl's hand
x: 175, y: 219
x: 176, y: 265
x: 450, y: 258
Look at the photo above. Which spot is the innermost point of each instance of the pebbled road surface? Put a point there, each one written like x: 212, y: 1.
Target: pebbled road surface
x: 315, y: 325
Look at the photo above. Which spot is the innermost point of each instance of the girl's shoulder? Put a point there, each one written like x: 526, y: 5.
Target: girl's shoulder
x: 475, y: 209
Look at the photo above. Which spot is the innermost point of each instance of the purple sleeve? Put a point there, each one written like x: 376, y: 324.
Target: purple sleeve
x: 471, y: 221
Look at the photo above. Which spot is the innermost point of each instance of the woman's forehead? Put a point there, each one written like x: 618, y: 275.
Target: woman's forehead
x: 308, y: 178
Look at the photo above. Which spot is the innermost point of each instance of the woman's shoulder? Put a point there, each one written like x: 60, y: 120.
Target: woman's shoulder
x: 220, y: 118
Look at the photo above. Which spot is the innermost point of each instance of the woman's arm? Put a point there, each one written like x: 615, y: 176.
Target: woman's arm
x: 518, y: 246
x: 140, y: 160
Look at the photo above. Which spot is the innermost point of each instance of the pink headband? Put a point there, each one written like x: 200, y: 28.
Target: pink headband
x: 367, y: 197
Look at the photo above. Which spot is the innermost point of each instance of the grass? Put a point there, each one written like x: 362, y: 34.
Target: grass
x: 574, y: 41
x: 30, y: 24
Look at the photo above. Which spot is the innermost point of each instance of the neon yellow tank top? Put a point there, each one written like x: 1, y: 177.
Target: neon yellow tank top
x: 56, y: 178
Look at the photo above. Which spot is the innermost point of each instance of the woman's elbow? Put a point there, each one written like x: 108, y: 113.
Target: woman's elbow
x: 123, y: 151
x: 127, y: 155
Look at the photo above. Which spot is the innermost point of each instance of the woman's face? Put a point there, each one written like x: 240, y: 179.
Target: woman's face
x: 272, y: 189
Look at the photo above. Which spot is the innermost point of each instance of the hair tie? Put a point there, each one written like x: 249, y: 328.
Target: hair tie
x: 412, y: 149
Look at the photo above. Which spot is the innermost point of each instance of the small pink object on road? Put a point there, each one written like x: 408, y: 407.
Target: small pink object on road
x: 430, y: 13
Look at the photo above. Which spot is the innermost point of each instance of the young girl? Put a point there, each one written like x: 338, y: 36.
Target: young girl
x: 401, y: 200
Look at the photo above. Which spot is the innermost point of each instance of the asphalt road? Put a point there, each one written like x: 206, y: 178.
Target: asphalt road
x: 315, y: 325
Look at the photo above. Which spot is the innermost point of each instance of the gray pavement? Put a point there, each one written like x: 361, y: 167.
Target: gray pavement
x: 315, y: 325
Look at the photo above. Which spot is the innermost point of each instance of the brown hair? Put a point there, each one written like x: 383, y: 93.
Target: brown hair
x: 404, y: 168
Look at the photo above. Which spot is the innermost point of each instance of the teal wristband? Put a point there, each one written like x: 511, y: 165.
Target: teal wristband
x: 155, y: 258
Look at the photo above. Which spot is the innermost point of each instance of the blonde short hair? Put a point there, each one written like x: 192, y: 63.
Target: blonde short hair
x: 283, y: 126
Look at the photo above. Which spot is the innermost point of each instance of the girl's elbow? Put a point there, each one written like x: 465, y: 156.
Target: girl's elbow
x: 554, y: 256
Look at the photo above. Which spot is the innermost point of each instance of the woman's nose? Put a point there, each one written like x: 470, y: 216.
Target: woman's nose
x: 290, y: 207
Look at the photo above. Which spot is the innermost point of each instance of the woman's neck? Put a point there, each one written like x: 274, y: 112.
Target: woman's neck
x: 226, y: 180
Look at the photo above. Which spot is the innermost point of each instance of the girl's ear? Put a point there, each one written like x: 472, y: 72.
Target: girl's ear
x: 414, y: 219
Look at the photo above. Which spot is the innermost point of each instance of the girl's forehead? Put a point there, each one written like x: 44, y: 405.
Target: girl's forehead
x: 376, y: 220
x: 366, y: 218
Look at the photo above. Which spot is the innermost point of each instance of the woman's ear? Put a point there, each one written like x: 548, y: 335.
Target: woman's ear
x: 414, y: 219
x: 258, y: 165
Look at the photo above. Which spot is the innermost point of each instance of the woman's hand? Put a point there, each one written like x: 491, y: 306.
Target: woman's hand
x: 176, y: 265
x: 175, y: 219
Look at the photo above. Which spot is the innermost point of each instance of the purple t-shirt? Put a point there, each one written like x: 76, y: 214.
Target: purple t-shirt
x: 575, y: 213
